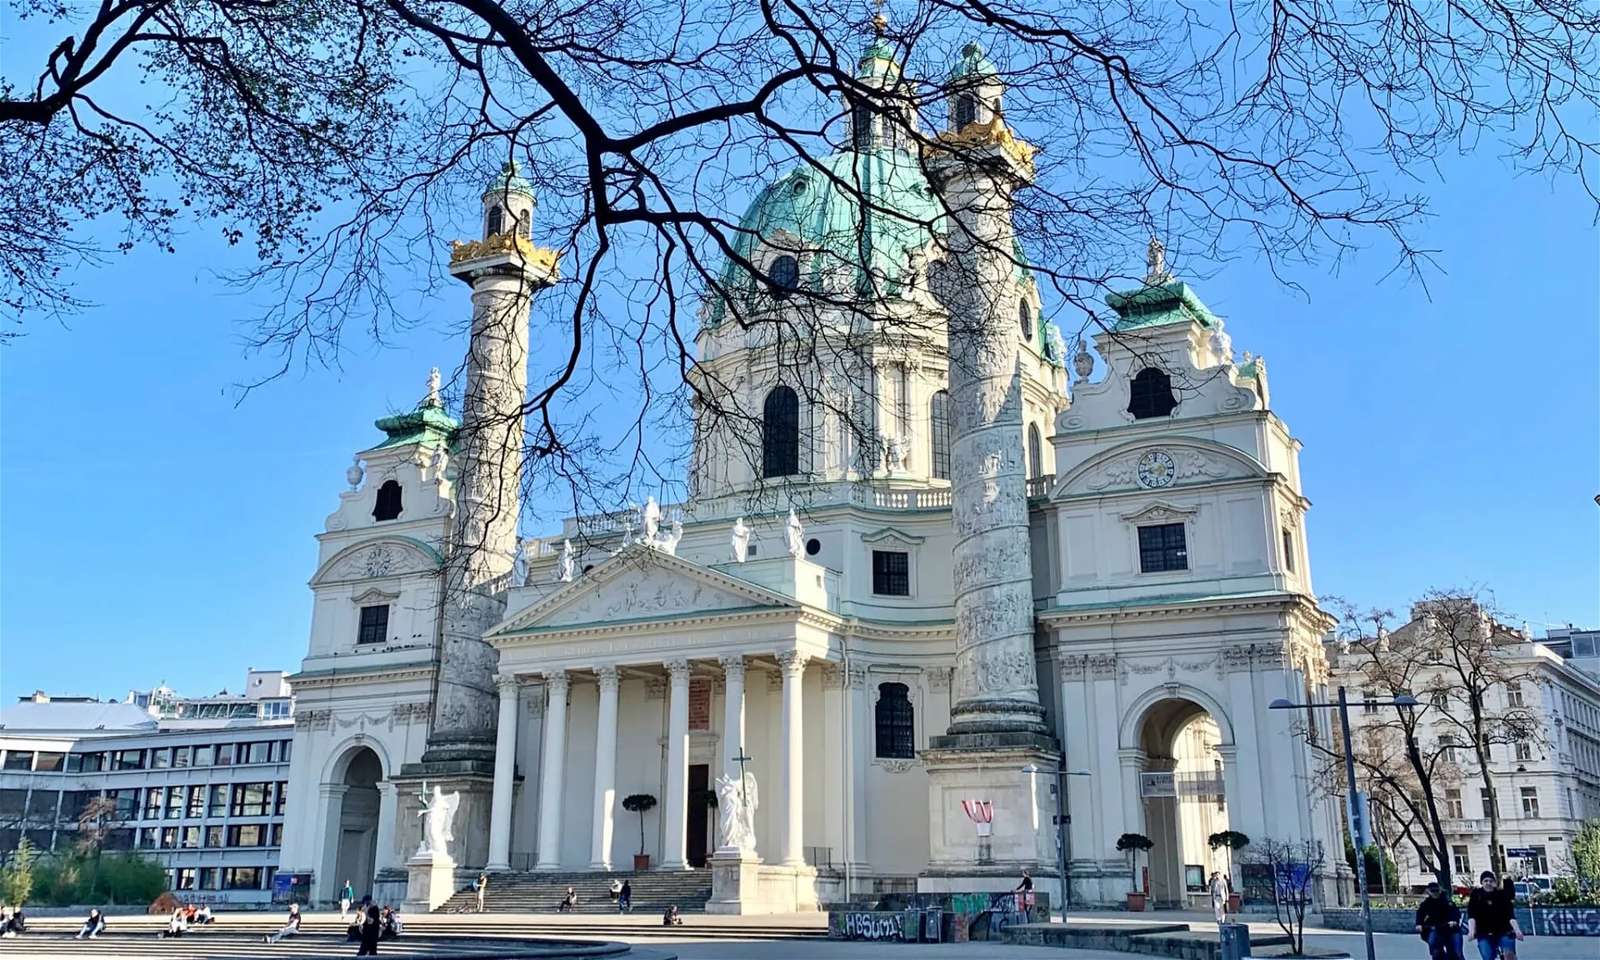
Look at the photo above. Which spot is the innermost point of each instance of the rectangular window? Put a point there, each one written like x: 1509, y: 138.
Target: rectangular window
x: 1530, y: 801
x: 169, y: 837
x: 50, y: 762
x: 891, y: 573
x: 126, y: 803
x: 191, y: 837
x: 277, y: 835
x: 1369, y: 701
x: 176, y: 802
x: 249, y: 800
x: 279, y: 797
x: 285, y: 749
x: 374, y: 624
x: 202, y: 756
x: 224, y: 754
x: 1461, y: 859
x: 1288, y: 550
x: 1514, y: 695
x: 197, y: 801
x: 257, y: 752
x: 180, y: 756
x: 154, y: 803
x: 1452, y: 803
x: 1524, y: 750
x: 94, y: 762
x: 129, y: 760
x: 185, y: 878
x: 1162, y: 547
x: 161, y: 758
x: 208, y: 878
x: 148, y: 837
x: 247, y: 835
x: 241, y: 878
x: 74, y: 763
x: 214, y: 836
x: 217, y: 801
x: 1487, y: 799
x: 19, y: 760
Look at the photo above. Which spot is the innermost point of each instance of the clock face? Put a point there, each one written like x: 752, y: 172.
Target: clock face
x: 1156, y: 469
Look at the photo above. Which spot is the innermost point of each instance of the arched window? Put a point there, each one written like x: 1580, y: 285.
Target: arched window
x: 1035, y: 452
x: 1025, y: 319
x: 780, y: 433
x: 896, y: 722
x: 497, y: 221
x: 966, y: 110
x: 785, y: 273
x: 860, y: 125
x: 939, y: 430
x: 1151, y: 395
x: 388, y: 505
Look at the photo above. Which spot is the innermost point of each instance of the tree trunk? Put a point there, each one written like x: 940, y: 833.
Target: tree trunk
x: 1436, y: 834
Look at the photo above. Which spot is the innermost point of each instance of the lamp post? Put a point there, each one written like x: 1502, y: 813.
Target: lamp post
x: 1063, y: 826
x: 1343, y: 706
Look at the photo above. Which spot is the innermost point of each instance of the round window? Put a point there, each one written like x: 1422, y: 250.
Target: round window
x: 813, y: 547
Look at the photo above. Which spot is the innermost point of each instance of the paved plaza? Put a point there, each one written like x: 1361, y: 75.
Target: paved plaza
x: 704, y: 938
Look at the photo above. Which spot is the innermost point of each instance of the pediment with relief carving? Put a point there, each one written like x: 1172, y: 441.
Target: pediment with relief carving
x: 639, y: 584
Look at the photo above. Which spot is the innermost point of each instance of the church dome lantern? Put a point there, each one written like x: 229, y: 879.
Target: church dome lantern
x: 508, y: 203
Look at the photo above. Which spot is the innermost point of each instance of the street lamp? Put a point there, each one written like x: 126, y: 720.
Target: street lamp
x: 1343, y: 706
x: 1063, y: 826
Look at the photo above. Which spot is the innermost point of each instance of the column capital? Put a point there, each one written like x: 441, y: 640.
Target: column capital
x: 556, y: 681
x: 792, y: 662
x: 678, y: 670
x: 732, y: 667
x: 507, y: 684
x: 608, y: 675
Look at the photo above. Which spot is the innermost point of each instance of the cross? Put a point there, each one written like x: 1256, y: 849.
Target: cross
x: 741, y: 760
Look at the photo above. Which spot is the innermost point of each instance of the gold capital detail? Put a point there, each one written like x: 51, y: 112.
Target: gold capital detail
x: 990, y: 132
x: 508, y: 242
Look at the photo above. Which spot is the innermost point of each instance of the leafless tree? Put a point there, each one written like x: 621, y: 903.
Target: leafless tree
x: 1295, y: 869
x: 345, y: 139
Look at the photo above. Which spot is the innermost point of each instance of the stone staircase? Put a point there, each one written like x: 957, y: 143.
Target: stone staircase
x: 522, y: 892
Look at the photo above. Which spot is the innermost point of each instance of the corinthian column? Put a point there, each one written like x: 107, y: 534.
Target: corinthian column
x: 505, y: 764
x: 553, y: 768
x: 995, y: 687
x: 605, y: 770
x: 674, y: 853
x: 794, y: 738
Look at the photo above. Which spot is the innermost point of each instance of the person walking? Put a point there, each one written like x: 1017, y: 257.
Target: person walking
x: 1220, y: 891
x: 371, y: 933
x: 1492, y: 918
x: 1439, y: 924
x: 1024, y: 892
x: 483, y: 888
x: 346, y: 896
x: 625, y: 897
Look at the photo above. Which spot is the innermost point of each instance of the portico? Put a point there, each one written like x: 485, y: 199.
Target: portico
x: 612, y: 716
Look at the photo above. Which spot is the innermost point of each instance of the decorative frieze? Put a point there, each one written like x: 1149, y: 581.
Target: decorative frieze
x: 1103, y: 666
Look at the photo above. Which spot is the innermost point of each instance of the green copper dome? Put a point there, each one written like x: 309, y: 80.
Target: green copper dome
x: 973, y: 63
x: 508, y: 180
x: 818, y: 212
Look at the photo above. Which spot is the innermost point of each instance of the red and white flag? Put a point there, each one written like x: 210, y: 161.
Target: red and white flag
x: 978, y: 811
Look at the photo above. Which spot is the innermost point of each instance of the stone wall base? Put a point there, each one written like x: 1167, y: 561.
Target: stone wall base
x: 741, y: 884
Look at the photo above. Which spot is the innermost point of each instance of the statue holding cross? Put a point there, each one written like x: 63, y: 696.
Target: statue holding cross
x: 737, y: 800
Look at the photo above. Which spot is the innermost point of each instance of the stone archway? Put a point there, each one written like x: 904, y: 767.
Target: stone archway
x: 1182, y: 798
x: 352, y: 813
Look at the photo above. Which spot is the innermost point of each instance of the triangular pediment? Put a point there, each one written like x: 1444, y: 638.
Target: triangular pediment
x: 640, y: 583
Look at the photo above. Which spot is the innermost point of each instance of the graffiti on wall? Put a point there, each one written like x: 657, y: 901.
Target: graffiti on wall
x: 866, y: 925
x: 1566, y: 921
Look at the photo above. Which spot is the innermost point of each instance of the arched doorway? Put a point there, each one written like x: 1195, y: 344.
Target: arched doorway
x: 357, y: 837
x: 1183, y: 799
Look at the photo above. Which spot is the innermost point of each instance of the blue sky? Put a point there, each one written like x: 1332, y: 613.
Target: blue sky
x: 154, y: 527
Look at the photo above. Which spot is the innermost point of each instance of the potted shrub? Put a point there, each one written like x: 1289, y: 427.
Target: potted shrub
x: 1131, y: 844
x: 1233, y: 841
x: 640, y: 803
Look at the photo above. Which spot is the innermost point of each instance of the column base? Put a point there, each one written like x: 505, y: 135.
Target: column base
x: 742, y: 885
x: 988, y: 766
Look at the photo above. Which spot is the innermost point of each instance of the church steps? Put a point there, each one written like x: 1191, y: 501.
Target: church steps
x: 538, y: 892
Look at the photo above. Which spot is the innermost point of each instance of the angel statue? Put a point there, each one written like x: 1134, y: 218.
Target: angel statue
x: 795, y: 534
x: 650, y: 520
x: 439, y: 812
x: 568, y: 563
x: 740, y: 540
x: 737, y: 802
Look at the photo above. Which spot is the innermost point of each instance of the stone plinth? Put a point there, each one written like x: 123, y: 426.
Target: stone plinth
x: 470, y: 848
x: 742, y: 884
x: 430, y: 881
x: 1021, y: 837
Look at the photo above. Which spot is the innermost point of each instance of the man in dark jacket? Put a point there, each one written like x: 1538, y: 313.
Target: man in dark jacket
x: 1439, y: 924
x: 371, y: 933
x: 1492, y: 918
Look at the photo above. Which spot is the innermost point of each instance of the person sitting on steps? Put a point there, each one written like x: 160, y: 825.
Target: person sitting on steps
x: 568, y: 902
x: 289, y: 928
x: 92, y: 927
x: 671, y: 918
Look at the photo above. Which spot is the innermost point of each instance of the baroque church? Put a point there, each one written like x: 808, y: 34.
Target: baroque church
x: 986, y: 588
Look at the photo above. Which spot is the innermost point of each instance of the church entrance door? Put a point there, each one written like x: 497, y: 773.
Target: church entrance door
x: 1183, y: 802
x: 696, y: 834
x: 356, y: 859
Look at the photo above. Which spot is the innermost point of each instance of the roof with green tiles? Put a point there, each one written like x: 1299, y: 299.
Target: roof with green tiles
x: 428, y: 425
x: 1158, y: 304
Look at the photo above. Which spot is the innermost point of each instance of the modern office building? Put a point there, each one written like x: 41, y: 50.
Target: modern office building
x: 196, y: 784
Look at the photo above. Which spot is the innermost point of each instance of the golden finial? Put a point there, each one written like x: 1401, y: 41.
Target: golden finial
x: 880, y: 23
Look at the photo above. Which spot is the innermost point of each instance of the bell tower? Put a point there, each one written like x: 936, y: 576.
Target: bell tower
x: 505, y: 271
